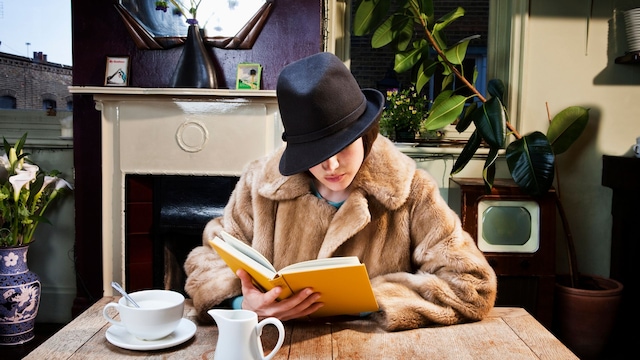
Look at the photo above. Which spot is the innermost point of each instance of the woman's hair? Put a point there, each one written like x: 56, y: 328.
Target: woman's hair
x: 369, y: 137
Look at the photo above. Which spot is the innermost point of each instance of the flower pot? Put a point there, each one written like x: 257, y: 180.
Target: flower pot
x: 19, y: 296
x: 585, y: 316
x: 405, y: 135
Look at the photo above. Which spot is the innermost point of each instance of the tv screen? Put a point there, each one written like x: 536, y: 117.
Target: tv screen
x: 508, y: 225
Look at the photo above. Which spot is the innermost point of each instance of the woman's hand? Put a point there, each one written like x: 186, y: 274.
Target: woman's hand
x: 265, y: 305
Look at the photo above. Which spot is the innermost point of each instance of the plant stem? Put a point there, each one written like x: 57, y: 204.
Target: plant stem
x: 455, y: 70
x: 571, y: 249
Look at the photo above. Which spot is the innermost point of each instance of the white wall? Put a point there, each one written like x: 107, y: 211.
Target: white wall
x: 569, y: 60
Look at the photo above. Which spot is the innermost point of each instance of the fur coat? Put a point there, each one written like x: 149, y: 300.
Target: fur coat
x: 424, y: 268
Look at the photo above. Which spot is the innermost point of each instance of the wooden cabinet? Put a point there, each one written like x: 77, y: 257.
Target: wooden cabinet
x: 622, y: 174
x: 524, y: 279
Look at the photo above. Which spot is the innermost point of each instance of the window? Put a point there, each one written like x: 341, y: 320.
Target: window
x: 48, y: 104
x: 7, y: 102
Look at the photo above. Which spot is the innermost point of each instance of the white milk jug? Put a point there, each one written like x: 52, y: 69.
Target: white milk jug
x: 239, y: 335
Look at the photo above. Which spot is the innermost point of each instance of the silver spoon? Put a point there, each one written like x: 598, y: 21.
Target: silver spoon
x: 124, y: 293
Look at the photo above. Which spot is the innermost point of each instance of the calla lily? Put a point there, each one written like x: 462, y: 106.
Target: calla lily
x: 22, y: 211
x: 20, y: 180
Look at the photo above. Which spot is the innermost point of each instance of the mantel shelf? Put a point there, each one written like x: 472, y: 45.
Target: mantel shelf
x: 170, y: 91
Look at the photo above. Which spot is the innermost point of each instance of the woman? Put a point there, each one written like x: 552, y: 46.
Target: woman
x: 338, y: 189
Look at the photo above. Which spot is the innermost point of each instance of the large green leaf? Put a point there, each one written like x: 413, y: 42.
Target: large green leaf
x: 424, y: 72
x: 489, y: 170
x: 446, y: 108
x: 492, y: 123
x: 407, y: 59
x: 531, y: 163
x: 566, y: 127
x: 467, y: 118
x: 456, y: 53
x: 397, y: 29
x: 369, y: 15
x: 467, y: 152
x: 495, y: 88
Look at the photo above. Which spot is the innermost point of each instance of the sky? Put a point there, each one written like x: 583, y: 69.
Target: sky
x: 45, y: 24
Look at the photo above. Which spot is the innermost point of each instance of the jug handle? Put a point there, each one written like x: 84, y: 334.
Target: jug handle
x: 278, y: 324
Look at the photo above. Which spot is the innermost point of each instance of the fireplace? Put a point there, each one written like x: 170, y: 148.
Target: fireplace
x: 154, y: 141
x: 165, y: 216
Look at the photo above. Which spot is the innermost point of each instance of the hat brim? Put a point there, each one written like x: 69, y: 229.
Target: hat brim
x: 301, y: 157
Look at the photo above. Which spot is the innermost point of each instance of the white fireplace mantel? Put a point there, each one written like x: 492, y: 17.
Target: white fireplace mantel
x: 173, y: 132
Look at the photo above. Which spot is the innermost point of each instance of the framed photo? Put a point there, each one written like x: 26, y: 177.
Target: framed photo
x: 248, y: 77
x: 117, y: 73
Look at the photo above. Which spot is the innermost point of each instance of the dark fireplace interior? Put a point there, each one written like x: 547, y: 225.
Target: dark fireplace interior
x: 165, y: 217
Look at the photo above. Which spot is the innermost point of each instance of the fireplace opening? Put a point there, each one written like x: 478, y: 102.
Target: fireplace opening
x: 175, y: 209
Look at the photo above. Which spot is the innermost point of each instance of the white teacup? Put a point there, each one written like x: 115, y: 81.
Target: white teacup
x: 159, y: 314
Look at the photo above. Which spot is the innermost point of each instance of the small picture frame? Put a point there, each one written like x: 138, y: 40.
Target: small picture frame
x: 117, y: 73
x: 248, y: 76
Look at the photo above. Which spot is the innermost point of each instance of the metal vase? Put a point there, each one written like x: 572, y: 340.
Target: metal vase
x: 195, y: 68
x: 20, y: 291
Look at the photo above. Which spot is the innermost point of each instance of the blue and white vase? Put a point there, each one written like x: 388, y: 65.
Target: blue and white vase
x: 20, y: 291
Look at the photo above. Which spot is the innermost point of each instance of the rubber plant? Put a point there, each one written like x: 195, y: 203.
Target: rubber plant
x: 420, y: 46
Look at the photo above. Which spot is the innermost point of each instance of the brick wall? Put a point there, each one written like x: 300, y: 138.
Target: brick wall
x: 30, y: 81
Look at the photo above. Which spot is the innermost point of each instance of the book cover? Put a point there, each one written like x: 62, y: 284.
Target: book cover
x: 343, y: 282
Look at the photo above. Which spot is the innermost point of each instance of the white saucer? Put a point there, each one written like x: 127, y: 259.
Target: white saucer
x: 118, y: 336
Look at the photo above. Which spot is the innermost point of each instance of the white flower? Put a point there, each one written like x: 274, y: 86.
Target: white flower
x: 24, y: 198
x: 20, y: 180
x: 11, y: 259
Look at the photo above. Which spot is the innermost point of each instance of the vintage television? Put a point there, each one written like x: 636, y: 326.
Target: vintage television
x: 516, y: 233
x: 508, y: 224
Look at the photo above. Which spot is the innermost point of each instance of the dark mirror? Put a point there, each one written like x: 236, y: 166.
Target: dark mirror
x: 233, y: 24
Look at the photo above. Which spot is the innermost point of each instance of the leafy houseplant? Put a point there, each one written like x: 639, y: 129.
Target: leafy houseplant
x: 420, y: 45
x: 404, y: 112
x: 25, y: 194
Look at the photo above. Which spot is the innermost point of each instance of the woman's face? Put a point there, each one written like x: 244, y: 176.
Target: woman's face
x: 337, y: 172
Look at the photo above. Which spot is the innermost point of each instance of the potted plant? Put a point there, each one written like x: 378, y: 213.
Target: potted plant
x: 25, y: 194
x: 403, y: 115
x: 420, y: 46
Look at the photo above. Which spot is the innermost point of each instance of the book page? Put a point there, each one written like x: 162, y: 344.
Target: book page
x: 238, y: 259
x: 247, y: 250
x: 315, y: 264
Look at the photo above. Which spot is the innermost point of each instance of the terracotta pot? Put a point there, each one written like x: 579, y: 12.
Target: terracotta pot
x: 585, y: 316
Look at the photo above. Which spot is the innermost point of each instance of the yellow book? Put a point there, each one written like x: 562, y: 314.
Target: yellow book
x: 343, y: 282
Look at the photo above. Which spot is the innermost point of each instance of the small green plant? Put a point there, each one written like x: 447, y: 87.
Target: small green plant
x: 405, y: 111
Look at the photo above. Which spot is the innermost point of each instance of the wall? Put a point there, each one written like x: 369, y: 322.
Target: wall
x: 569, y: 60
x: 292, y: 31
x: 30, y: 81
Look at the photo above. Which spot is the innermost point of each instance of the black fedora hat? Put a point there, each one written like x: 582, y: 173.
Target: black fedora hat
x: 323, y: 110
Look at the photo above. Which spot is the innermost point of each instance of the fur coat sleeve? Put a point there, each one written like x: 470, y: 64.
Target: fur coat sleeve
x: 424, y: 268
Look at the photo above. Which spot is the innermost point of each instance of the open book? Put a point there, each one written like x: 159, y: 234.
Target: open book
x: 343, y: 282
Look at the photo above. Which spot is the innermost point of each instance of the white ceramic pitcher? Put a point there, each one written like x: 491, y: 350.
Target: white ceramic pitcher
x: 239, y: 335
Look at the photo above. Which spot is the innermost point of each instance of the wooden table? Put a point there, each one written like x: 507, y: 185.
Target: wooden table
x: 507, y: 333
